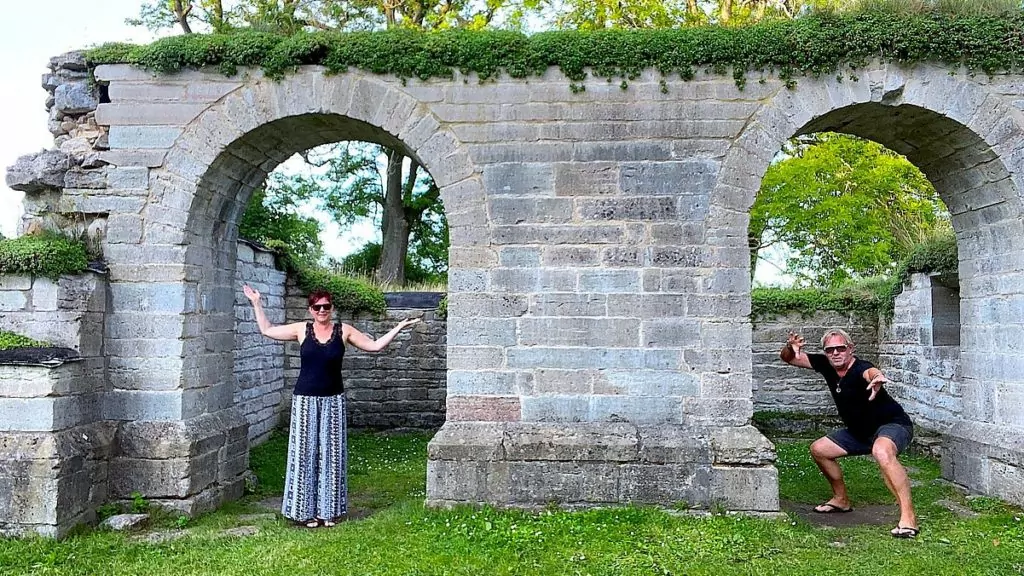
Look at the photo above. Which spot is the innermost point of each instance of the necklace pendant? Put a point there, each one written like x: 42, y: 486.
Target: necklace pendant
x: 838, y: 389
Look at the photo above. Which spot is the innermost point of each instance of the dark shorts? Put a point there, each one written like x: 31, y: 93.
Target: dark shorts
x: 900, y: 434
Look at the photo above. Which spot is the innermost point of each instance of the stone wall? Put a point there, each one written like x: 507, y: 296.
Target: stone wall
x: 920, y: 351
x: 599, y: 280
x: 780, y: 387
x: 259, y: 361
x: 404, y: 386
x: 54, y: 443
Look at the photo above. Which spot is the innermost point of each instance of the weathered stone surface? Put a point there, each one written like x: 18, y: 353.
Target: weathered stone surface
x: 75, y: 98
x: 599, y: 274
x: 125, y: 521
x: 38, y: 172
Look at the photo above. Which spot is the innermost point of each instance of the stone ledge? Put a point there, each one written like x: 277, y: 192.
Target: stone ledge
x: 531, y: 464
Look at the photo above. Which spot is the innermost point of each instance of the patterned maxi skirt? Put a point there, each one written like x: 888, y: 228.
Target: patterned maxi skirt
x: 314, y: 484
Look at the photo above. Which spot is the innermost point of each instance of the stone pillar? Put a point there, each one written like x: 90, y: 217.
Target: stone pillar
x: 53, y: 451
x: 182, y: 442
x: 54, y: 446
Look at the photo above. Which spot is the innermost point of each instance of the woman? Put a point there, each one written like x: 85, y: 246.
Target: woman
x: 315, y: 493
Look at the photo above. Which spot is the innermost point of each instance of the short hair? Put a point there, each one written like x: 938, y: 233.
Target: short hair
x: 319, y: 295
x: 836, y: 332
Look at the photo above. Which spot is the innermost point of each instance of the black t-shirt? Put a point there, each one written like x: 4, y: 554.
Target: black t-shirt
x: 862, y: 417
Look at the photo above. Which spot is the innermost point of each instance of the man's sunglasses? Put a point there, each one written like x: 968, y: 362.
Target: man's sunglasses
x: 320, y: 307
x: 835, y: 349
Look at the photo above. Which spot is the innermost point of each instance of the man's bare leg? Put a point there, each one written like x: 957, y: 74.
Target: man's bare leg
x: 825, y: 452
x: 895, y: 476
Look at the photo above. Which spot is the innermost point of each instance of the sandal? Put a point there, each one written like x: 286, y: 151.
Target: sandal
x: 314, y: 523
x: 904, y: 532
x: 830, y: 508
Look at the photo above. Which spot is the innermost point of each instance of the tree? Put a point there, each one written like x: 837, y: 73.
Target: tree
x: 272, y: 218
x: 847, y: 207
x: 363, y: 180
x: 161, y: 14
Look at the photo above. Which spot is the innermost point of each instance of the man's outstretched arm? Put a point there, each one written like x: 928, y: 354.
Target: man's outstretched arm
x: 793, y: 352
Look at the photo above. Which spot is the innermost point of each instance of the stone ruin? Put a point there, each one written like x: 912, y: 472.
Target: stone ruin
x: 599, y: 345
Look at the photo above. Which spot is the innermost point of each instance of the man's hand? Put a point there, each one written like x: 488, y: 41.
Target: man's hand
x: 876, y: 384
x: 792, y: 353
x: 795, y: 342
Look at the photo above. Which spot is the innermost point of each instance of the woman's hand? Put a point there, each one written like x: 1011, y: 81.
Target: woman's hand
x: 252, y: 294
x: 407, y: 322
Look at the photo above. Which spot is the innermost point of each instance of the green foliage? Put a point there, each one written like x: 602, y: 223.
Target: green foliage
x: 347, y: 293
x: 10, y: 341
x: 860, y: 296
x: 812, y: 45
x: 953, y: 7
x: 936, y: 254
x: 845, y: 206
x: 45, y: 254
x: 878, y: 294
x: 442, y: 308
x: 272, y: 218
x: 139, y: 504
x: 366, y: 260
x: 399, y: 535
x: 107, y: 510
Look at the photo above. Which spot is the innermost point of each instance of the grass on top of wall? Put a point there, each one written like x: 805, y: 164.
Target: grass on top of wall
x: 45, y: 254
x: 402, y: 538
x: 814, y: 45
x: 10, y: 341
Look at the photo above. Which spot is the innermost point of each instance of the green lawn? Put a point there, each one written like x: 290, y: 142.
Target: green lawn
x: 402, y: 538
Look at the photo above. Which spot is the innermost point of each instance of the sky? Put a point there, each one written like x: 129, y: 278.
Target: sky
x: 29, y: 36
x: 46, y: 28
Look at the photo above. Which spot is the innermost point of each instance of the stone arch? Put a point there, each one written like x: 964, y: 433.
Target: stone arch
x: 965, y: 138
x: 229, y: 149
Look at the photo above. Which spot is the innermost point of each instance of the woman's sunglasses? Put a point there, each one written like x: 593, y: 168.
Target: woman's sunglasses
x: 320, y: 307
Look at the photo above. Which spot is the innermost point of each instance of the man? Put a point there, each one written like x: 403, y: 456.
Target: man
x: 875, y: 423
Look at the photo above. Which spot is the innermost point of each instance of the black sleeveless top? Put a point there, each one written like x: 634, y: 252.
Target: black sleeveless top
x: 320, y: 369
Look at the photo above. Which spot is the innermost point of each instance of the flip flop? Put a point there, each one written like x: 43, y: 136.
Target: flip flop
x: 830, y: 508
x: 904, y: 532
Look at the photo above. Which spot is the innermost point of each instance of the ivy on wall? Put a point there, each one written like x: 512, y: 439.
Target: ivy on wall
x: 812, y: 45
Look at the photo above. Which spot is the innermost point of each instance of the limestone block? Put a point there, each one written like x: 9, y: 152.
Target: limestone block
x: 38, y: 172
x: 567, y: 483
x: 75, y: 98
x: 664, y: 484
x: 742, y: 446
x: 556, y: 408
x: 11, y: 301
x: 638, y: 409
x: 134, y: 137
x: 745, y: 488
x: 462, y: 383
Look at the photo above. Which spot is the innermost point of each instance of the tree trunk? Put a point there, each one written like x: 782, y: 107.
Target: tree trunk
x: 218, y: 17
x: 395, y: 226
x: 725, y: 14
x: 181, y: 12
x: 755, y: 247
x: 692, y: 8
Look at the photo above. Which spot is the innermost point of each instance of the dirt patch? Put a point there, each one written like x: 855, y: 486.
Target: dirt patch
x: 868, y: 515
